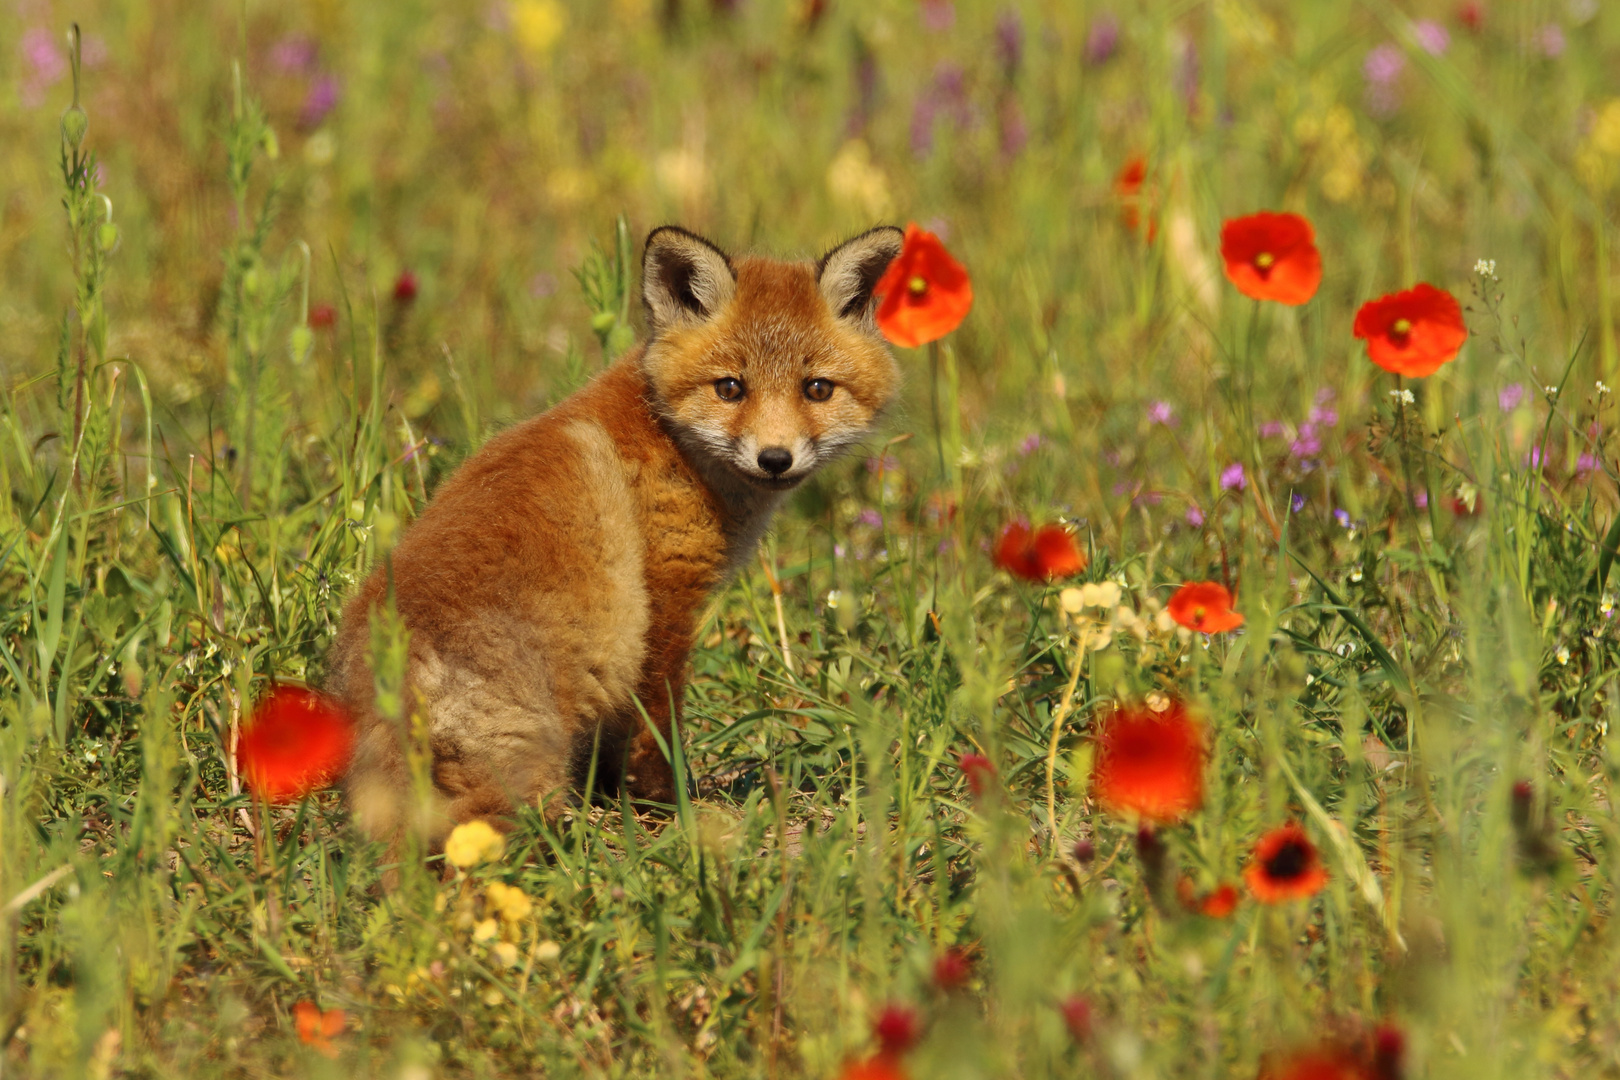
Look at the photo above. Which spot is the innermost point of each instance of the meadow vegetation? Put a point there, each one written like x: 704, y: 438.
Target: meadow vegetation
x: 268, y: 272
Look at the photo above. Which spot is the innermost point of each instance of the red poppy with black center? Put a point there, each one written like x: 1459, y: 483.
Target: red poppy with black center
x: 1204, y: 606
x: 295, y: 742
x: 924, y: 294
x: 1285, y: 866
x: 1412, y: 333
x: 1150, y: 764
x: 1039, y: 554
x: 1272, y: 257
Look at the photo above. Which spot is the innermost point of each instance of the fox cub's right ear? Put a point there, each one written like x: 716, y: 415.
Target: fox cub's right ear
x: 684, y: 278
x: 848, y: 273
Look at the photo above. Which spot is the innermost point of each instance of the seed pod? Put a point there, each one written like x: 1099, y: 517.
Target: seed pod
x: 74, y: 125
x: 300, y: 341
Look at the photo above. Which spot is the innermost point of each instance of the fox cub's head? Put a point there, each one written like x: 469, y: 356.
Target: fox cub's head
x: 770, y: 367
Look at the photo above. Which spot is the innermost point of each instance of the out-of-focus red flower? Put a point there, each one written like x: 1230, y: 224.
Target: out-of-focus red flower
x: 897, y: 1029
x: 1316, y: 1064
x: 979, y: 771
x: 1218, y: 903
x: 405, y: 287
x: 1084, y: 851
x: 1272, y: 257
x: 1204, y: 606
x: 879, y: 1067
x: 1039, y: 554
x: 952, y: 969
x: 1150, y: 764
x: 1414, y: 332
x: 1130, y: 188
x: 322, y: 317
x: 295, y: 741
x: 924, y: 294
x: 1388, y: 1052
x: 317, y: 1028
x: 1285, y: 866
x: 1471, y: 15
x: 1076, y: 1010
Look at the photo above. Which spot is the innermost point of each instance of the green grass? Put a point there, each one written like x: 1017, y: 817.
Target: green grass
x: 188, y: 497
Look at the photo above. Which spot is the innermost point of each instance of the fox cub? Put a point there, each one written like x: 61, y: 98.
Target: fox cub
x: 553, y: 583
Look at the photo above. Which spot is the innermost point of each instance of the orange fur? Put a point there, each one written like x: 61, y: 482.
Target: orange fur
x: 552, y: 585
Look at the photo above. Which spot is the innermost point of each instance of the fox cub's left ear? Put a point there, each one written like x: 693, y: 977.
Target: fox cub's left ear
x: 849, y: 271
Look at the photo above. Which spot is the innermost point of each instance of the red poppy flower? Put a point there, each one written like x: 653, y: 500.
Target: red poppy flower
x: 952, y: 969
x: 1204, y: 606
x: 1076, y: 1010
x: 1150, y: 764
x: 1039, y: 554
x: 1128, y: 187
x: 1413, y: 332
x: 1272, y: 257
x: 1317, y: 1064
x: 1218, y: 903
x: 880, y: 1067
x: 405, y: 287
x: 317, y: 1028
x: 897, y: 1029
x: 296, y: 741
x: 925, y: 293
x: 1285, y: 866
x: 979, y: 771
x: 322, y: 317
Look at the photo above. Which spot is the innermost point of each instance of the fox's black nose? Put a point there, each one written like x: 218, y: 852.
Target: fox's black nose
x: 775, y: 460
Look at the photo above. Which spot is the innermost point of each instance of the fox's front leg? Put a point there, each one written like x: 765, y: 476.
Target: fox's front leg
x: 648, y: 774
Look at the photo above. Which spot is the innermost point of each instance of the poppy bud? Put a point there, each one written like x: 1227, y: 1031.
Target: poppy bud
x: 1523, y: 796
x: 107, y: 237
x: 952, y: 969
x: 1084, y: 851
x: 897, y: 1029
x: 74, y: 125
x: 405, y: 287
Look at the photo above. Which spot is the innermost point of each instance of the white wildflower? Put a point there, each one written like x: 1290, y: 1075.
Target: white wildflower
x: 1562, y: 654
x: 1403, y: 396
x: 1485, y: 268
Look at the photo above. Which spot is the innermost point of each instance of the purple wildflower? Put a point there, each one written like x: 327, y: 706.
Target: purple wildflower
x: 1510, y: 396
x: 870, y: 518
x: 1533, y: 457
x: 1030, y: 444
x: 1195, y: 516
x: 1297, y: 503
x: 938, y: 15
x: 294, y: 53
x: 320, y: 101
x: 947, y: 94
x: 1159, y: 412
x: 1232, y: 477
x: 1186, y: 74
x: 1148, y: 498
x: 1271, y: 429
x: 1325, y: 415
x: 1432, y: 38
x: 1102, y: 41
x: 1382, y: 67
x: 46, y: 64
x: 1421, y: 499
x: 1584, y: 464
x: 1010, y: 41
x: 1550, y: 40
x: 1014, y: 129
x: 542, y: 285
x: 1342, y: 516
x: 1307, y: 444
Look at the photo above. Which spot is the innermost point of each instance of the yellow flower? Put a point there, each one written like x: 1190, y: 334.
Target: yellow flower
x: 488, y: 930
x: 509, y: 902
x: 471, y: 843
x: 537, y: 24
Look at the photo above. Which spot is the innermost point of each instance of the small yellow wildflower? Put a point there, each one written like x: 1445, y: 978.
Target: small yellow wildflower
x: 508, y: 901
x: 471, y: 843
x: 487, y: 930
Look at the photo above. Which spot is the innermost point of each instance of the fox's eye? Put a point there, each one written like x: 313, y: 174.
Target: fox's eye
x: 729, y: 389
x: 818, y: 389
